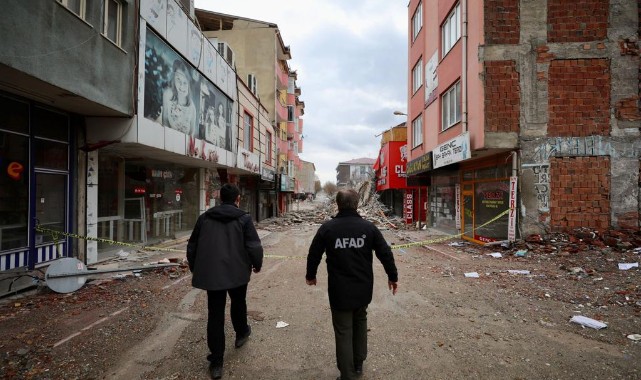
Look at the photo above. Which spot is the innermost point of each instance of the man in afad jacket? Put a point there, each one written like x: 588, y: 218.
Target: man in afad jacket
x: 348, y: 240
x: 223, y: 249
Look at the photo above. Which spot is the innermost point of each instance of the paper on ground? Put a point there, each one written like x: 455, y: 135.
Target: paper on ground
x: 495, y: 255
x: 626, y: 266
x: 518, y: 271
x: 588, y: 322
x: 472, y: 275
x: 281, y: 324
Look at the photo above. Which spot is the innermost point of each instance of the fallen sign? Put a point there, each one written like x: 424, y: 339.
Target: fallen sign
x: 68, y: 274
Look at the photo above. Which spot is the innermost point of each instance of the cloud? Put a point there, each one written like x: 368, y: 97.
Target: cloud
x: 351, y: 60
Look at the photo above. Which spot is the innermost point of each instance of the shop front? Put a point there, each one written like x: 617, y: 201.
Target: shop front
x: 141, y: 201
x: 267, y: 198
x: 416, y: 193
x: 488, y: 193
x: 390, y: 169
x: 36, y: 195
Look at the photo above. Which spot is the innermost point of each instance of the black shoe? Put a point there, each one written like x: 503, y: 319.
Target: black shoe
x: 242, y: 340
x: 358, y: 368
x: 215, y: 371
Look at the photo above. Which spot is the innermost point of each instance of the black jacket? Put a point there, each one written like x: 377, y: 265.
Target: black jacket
x: 349, y: 240
x: 223, y: 248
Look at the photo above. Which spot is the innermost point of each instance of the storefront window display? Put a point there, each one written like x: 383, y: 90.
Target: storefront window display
x: 143, y: 201
x: 443, y: 200
x: 14, y: 190
x: 486, y: 193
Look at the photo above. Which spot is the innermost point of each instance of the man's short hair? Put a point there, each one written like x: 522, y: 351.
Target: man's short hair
x: 229, y: 192
x: 347, y: 199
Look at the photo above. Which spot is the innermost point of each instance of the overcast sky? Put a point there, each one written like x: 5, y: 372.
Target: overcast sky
x: 351, y: 59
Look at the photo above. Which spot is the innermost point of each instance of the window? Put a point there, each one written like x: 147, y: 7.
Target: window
x: 417, y: 76
x: 290, y: 113
x: 112, y: 27
x: 76, y: 6
x: 451, y: 29
x: 268, y: 144
x: 248, y: 126
x: 417, y: 131
x: 451, y: 102
x: 417, y: 21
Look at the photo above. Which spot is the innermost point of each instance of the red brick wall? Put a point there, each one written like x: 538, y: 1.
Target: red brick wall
x: 577, y: 20
x: 502, y: 23
x: 579, y: 192
x: 579, y: 97
x: 502, y: 96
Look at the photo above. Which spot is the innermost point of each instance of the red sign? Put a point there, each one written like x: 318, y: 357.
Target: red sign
x: 139, y: 190
x: 392, y: 166
x: 408, y: 207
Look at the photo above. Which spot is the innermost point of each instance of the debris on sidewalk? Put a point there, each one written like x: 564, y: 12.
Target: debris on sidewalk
x: 588, y: 322
x: 626, y: 266
x: 281, y: 324
x: 472, y: 275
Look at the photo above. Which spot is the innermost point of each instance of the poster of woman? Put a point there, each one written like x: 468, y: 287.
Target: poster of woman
x: 170, y: 81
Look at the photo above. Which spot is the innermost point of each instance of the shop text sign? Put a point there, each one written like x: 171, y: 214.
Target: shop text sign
x: 419, y: 165
x: 511, y: 227
x: 408, y: 207
x: 455, y: 150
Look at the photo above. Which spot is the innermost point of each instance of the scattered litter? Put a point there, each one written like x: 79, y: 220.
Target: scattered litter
x: 122, y: 254
x: 456, y: 244
x: 626, y: 266
x: 119, y: 275
x: 472, y: 275
x: 281, y: 324
x: 588, y: 322
x: 634, y: 337
x: 496, y: 255
x: 163, y: 261
x: 520, y: 253
x: 518, y: 271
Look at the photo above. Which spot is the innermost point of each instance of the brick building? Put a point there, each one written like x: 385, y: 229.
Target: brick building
x: 547, y: 94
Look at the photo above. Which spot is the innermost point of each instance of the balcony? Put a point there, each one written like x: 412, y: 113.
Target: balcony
x: 283, y: 77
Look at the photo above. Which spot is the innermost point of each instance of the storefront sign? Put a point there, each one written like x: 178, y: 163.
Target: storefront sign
x: 419, y: 165
x: 457, y: 205
x: 408, y: 207
x: 248, y: 161
x: 455, y: 150
x: 267, y: 174
x: 511, y: 229
x: 286, y: 183
x: 392, y: 171
x: 201, y: 149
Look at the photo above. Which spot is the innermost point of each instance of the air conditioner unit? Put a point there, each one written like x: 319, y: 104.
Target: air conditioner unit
x: 252, y: 83
x: 226, y: 52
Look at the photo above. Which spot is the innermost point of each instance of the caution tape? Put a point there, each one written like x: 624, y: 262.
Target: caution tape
x: 55, y: 235
x: 448, y: 237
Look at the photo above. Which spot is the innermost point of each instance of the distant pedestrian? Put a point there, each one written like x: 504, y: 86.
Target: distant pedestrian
x: 223, y: 249
x: 348, y: 240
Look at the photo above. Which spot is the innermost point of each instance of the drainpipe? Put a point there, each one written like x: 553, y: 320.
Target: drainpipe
x: 464, y: 66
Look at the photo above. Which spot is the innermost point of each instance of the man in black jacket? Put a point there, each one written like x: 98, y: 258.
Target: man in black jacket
x: 223, y: 249
x: 349, y: 240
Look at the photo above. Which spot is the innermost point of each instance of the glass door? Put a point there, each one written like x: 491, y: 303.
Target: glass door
x: 51, y: 207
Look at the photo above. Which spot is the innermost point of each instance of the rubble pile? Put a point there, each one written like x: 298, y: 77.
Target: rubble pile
x: 317, y: 212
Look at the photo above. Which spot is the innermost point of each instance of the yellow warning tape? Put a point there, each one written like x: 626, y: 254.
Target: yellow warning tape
x: 55, y: 235
x: 448, y: 237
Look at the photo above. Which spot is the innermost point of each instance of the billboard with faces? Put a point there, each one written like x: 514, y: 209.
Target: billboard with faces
x: 178, y: 96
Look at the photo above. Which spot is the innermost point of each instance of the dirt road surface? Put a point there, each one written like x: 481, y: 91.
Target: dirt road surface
x: 440, y: 324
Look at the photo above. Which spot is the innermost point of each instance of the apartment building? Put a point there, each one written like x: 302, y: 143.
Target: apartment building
x: 523, y: 116
x: 258, y: 53
x: 119, y: 123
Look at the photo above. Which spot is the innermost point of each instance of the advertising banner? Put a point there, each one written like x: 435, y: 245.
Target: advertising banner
x: 455, y: 150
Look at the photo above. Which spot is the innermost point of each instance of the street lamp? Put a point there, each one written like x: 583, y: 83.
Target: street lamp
x: 399, y: 113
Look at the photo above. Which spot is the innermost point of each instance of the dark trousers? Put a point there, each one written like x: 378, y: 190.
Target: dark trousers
x: 216, y: 300
x: 350, y: 332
